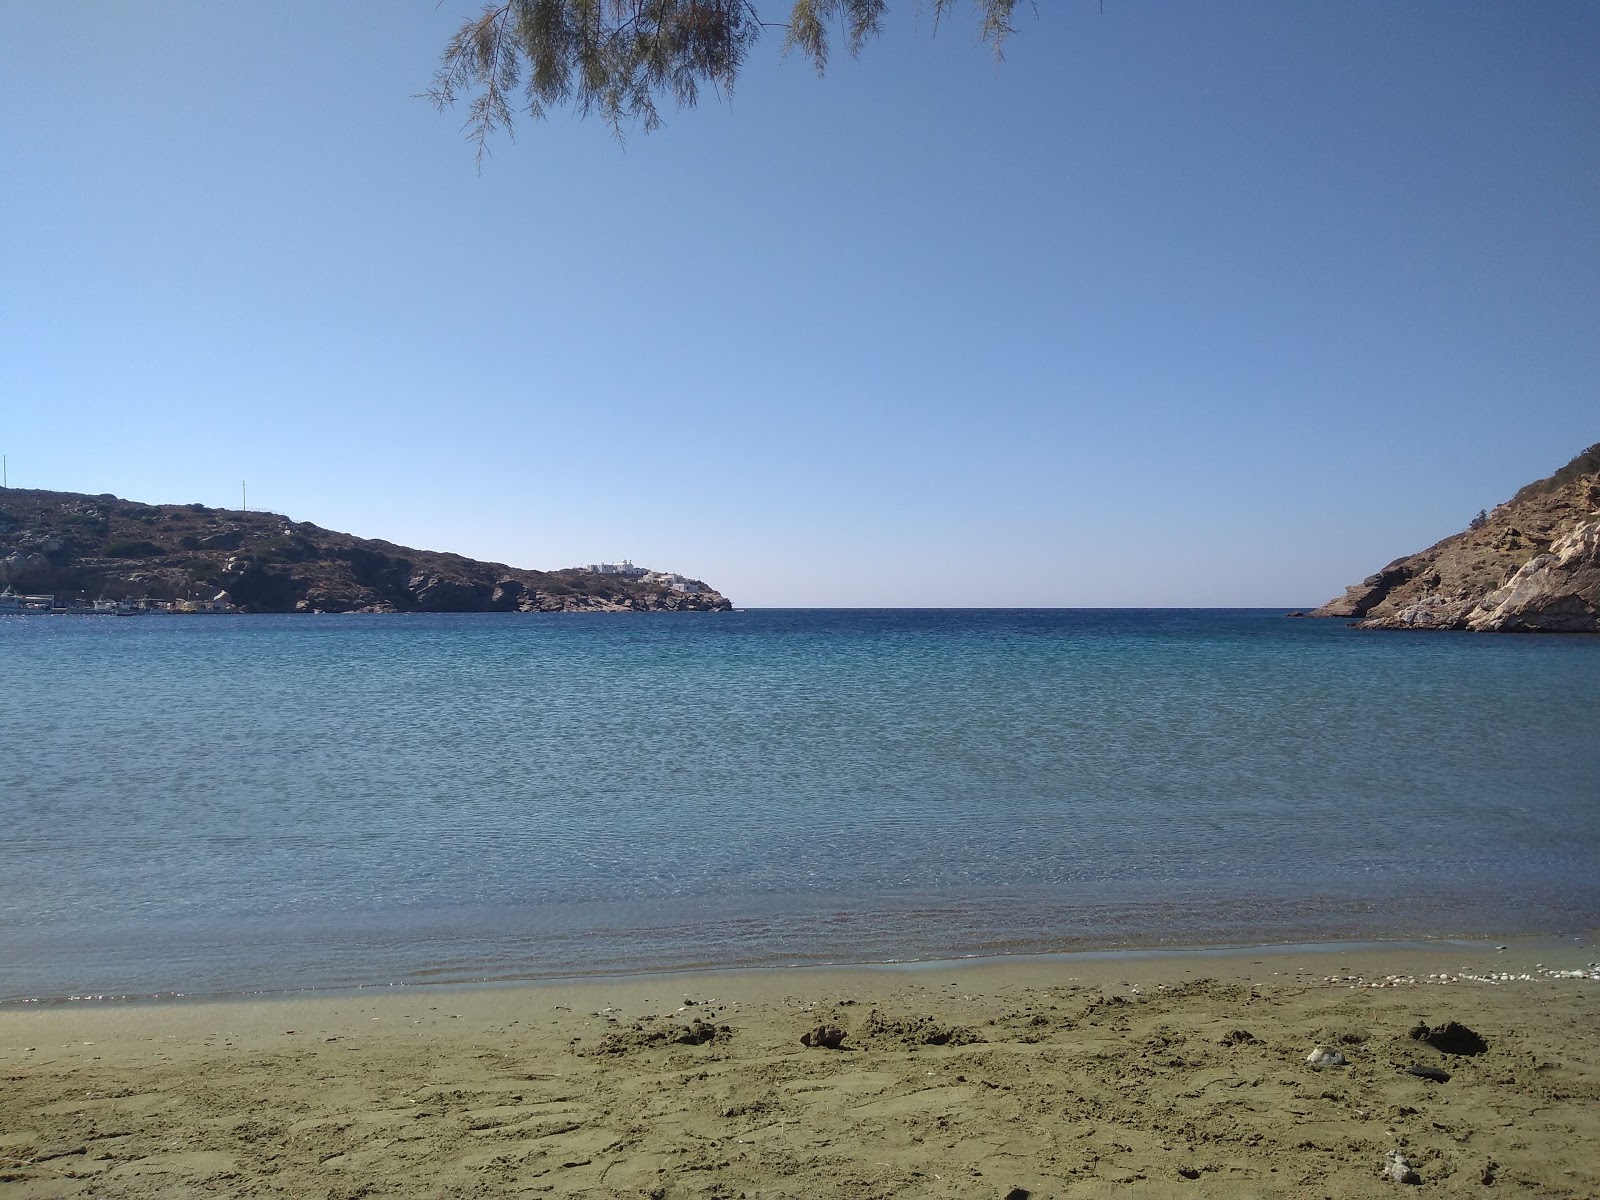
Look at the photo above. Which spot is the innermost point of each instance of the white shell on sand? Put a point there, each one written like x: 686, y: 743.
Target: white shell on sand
x: 1396, y: 1167
x: 1321, y: 1057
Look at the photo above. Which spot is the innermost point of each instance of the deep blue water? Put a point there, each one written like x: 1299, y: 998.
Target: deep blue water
x: 227, y: 803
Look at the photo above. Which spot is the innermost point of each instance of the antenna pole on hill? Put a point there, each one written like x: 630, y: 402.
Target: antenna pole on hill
x: 5, y: 474
x: 244, y: 499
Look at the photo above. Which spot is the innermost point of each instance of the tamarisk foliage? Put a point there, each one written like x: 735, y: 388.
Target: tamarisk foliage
x: 623, y: 58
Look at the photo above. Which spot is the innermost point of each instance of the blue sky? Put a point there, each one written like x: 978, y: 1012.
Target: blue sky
x: 1182, y: 304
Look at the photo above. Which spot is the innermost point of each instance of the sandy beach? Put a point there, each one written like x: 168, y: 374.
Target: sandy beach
x: 1075, y: 1076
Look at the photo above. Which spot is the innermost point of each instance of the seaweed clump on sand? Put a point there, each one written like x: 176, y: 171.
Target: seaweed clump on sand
x: 640, y: 1036
x: 1450, y: 1038
x: 917, y: 1031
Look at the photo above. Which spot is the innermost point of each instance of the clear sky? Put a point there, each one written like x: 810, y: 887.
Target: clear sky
x: 1185, y: 303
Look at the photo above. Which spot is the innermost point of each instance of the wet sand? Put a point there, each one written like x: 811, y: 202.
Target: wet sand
x: 1077, y: 1076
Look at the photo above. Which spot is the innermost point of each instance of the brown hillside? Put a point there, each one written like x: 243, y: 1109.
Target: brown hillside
x: 1532, y: 566
x: 75, y: 545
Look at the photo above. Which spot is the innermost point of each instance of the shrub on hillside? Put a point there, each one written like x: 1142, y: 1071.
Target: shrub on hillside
x: 132, y: 548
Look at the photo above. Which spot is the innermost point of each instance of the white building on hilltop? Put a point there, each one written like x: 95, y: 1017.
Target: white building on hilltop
x: 667, y: 579
x: 625, y: 567
x: 676, y: 582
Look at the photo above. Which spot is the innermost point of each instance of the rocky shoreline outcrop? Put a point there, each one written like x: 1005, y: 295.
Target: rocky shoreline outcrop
x: 74, y: 545
x: 1530, y: 566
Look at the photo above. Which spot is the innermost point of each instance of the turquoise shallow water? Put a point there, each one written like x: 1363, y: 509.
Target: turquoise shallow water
x: 218, y: 804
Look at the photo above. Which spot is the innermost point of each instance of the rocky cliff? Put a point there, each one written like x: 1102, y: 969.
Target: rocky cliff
x: 1531, y: 565
x: 74, y: 545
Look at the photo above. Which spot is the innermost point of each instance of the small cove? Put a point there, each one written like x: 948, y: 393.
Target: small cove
x: 215, y: 804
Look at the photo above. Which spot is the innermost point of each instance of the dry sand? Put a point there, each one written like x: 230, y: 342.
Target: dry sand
x: 1174, y: 1075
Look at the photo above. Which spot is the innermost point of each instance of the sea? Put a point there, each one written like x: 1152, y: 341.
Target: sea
x: 218, y: 805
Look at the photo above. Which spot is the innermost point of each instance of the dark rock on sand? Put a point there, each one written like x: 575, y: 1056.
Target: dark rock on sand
x: 1431, y: 1073
x: 824, y: 1037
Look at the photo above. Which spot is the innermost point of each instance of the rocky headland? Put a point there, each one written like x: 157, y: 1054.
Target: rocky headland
x: 75, y: 545
x: 1532, y: 565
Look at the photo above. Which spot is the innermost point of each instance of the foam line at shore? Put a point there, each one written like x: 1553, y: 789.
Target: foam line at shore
x: 1484, y: 953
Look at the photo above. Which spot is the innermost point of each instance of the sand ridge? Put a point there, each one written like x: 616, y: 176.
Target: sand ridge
x: 1162, y: 1076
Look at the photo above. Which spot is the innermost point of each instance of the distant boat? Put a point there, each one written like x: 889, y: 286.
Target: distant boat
x: 10, y: 602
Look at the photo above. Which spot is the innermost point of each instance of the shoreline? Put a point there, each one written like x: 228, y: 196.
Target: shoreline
x: 1180, y: 1071
x: 1555, y: 945
x: 476, y: 944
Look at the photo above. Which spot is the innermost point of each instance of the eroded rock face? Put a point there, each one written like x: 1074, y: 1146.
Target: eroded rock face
x: 22, y: 570
x: 509, y: 595
x: 1557, y: 592
x: 435, y: 593
x: 1533, y: 565
x: 1360, y: 598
